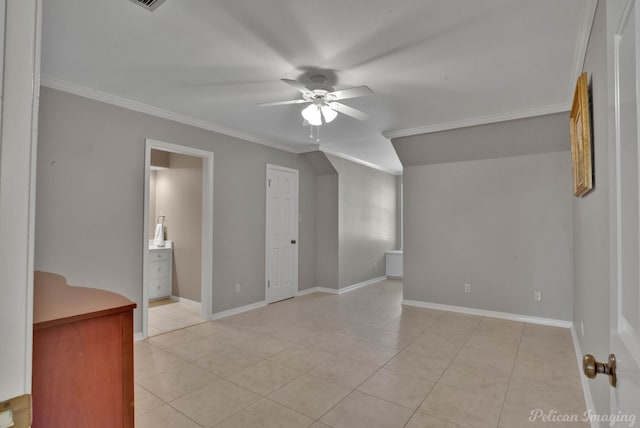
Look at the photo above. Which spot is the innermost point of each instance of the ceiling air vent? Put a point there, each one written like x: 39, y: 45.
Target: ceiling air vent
x: 148, y: 4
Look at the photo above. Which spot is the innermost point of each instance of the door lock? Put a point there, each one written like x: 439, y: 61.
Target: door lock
x: 591, y: 368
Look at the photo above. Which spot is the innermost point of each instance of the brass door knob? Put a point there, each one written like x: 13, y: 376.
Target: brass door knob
x: 591, y: 368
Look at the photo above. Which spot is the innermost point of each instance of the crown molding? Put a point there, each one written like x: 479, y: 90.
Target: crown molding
x: 97, y: 95
x: 360, y: 161
x: 307, y: 148
x: 481, y: 120
x: 588, y: 14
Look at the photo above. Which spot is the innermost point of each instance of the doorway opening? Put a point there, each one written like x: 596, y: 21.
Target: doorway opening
x: 178, y: 240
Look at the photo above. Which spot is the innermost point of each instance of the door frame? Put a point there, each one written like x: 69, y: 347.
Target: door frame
x: 267, y: 218
x: 206, y: 262
x: 618, y: 15
x: 20, y: 47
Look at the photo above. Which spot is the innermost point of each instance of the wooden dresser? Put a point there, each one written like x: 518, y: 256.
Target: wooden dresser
x: 82, y: 356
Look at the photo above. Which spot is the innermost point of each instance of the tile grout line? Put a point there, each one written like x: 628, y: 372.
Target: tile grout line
x: 351, y: 313
x: 443, y: 371
x: 511, y: 374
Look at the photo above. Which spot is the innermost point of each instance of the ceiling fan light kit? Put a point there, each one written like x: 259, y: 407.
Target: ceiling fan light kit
x: 312, y: 115
x: 323, y: 100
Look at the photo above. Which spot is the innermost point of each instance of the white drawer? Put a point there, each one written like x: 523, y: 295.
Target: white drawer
x: 159, y: 288
x: 156, y: 255
x: 159, y: 269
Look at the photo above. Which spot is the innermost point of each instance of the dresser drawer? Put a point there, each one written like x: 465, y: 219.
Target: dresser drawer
x: 157, y: 255
x: 159, y: 288
x: 159, y: 269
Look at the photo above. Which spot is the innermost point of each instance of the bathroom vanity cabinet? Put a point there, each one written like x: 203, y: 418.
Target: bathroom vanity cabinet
x: 82, y: 356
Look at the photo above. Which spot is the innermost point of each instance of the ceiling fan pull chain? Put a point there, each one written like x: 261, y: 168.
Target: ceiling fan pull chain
x: 317, y: 134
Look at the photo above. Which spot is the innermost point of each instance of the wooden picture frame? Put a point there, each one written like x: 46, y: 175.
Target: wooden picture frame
x: 580, y: 127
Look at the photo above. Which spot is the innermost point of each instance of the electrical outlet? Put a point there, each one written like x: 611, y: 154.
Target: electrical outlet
x: 237, y: 288
x: 537, y: 295
x: 467, y: 288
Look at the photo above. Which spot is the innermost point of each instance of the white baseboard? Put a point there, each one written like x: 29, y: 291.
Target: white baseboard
x: 588, y: 398
x: 238, y: 310
x: 317, y: 290
x: 491, y: 314
x: 137, y: 337
x: 185, y: 301
x: 361, y: 284
x: 341, y: 290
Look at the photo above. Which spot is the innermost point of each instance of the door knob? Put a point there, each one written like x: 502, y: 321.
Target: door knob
x: 591, y: 368
x: 293, y: 241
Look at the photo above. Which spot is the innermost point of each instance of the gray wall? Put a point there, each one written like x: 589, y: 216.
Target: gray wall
x: 179, y: 199
x: 327, y: 248
x: 533, y: 135
x: 153, y: 218
x: 502, y: 225
x: 326, y: 219
x: 367, y: 220
x: 591, y: 221
x: 89, y: 217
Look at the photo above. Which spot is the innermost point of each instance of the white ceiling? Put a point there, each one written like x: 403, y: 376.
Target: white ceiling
x: 432, y: 64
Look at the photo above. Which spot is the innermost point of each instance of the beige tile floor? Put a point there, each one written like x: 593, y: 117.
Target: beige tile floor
x: 168, y: 315
x: 360, y: 359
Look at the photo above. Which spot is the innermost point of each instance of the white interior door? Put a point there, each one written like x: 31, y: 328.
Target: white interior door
x: 625, y: 292
x: 282, y: 233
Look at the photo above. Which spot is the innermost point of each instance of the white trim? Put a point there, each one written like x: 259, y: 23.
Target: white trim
x: 307, y: 291
x: 361, y: 284
x: 317, y: 290
x: 206, y: 263
x: 588, y: 399
x: 492, y: 314
x: 116, y: 100
x: 238, y: 310
x: 481, y: 120
x: 580, y: 53
x: 20, y: 63
x: 185, y: 301
x: 360, y: 161
x: 296, y: 224
x: 137, y: 337
x: 343, y: 289
x: 35, y: 112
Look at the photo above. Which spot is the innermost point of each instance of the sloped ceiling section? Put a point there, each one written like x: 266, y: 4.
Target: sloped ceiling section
x: 319, y: 162
x: 432, y: 65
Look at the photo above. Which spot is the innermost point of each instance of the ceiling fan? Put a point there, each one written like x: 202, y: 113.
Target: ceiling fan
x: 323, y: 100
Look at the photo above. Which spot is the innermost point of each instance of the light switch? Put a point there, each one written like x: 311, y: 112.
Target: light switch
x: 6, y: 419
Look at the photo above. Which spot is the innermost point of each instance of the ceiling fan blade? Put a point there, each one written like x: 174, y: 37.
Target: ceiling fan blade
x: 299, y: 86
x: 358, y: 91
x: 349, y: 111
x: 281, y: 103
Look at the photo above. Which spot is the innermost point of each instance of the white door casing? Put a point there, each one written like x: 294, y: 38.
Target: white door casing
x: 206, y: 264
x: 625, y: 285
x: 21, y: 22
x: 281, y: 267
